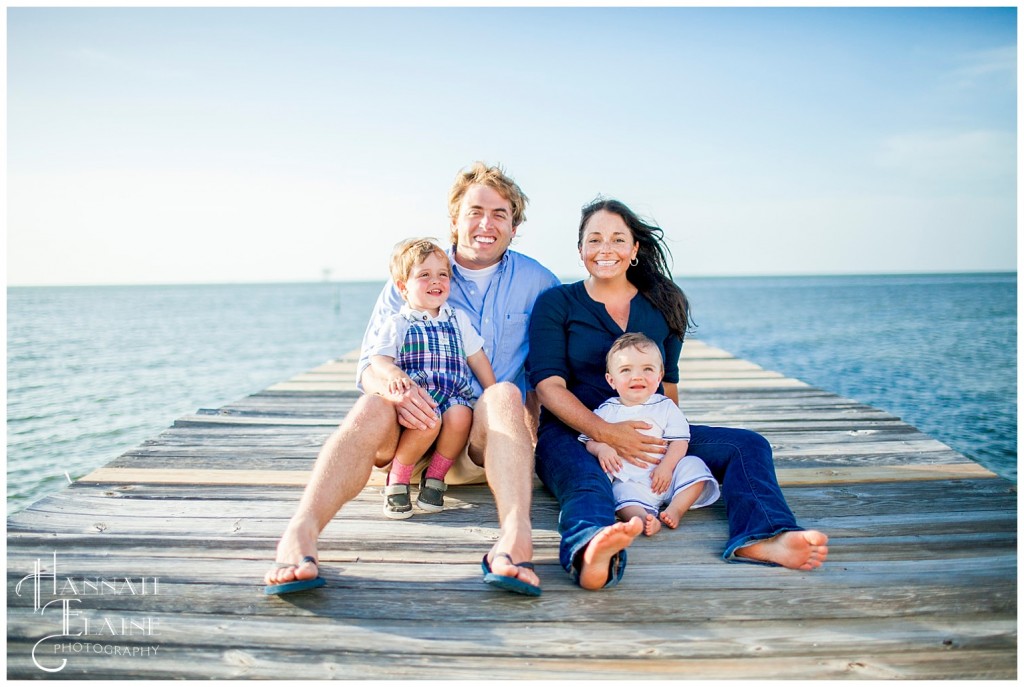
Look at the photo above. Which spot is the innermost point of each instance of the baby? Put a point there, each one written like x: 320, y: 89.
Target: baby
x: 635, y: 369
x: 433, y: 345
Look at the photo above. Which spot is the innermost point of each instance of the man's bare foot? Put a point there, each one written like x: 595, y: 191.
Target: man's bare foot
x: 605, y: 544
x: 801, y: 550
x: 293, y: 547
x: 651, y: 525
x: 520, y: 549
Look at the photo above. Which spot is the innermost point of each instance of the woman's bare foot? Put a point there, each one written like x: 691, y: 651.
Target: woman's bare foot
x: 605, y: 544
x: 801, y: 550
x: 293, y: 547
x: 520, y: 548
x: 651, y: 525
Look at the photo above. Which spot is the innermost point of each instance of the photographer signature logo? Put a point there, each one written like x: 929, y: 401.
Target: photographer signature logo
x: 58, y: 600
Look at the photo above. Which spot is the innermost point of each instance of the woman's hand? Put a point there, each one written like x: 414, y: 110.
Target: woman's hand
x: 632, y: 444
x: 626, y: 438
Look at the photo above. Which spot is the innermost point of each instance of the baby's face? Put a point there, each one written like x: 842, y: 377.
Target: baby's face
x: 635, y: 373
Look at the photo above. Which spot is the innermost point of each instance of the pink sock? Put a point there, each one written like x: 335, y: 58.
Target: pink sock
x: 400, y: 473
x: 439, y: 466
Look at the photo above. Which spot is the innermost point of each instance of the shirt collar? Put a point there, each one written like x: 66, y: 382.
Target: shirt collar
x: 445, y: 313
x: 457, y: 268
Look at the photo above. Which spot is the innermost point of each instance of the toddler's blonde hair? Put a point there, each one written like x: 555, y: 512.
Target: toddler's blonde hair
x: 408, y: 253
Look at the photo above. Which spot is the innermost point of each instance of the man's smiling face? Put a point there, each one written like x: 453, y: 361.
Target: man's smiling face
x: 484, y: 227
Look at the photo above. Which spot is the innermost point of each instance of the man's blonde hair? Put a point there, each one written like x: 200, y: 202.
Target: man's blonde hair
x: 408, y: 253
x: 493, y: 177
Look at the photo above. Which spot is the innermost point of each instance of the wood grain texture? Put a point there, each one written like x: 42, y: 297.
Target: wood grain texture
x: 920, y: 583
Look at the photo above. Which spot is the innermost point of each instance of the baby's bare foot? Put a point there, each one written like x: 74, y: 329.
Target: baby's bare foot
x: 669, y: 518
x: 651, y: 525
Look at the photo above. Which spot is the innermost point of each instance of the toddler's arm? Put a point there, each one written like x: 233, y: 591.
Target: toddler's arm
x: 392, y: 376
x: 481, y: 367
x: 661, y: 476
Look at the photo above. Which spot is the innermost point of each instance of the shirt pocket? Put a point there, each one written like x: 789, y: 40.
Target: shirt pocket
x: 514, y: 332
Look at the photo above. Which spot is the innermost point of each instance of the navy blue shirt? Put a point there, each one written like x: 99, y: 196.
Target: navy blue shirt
x: 571, y: 333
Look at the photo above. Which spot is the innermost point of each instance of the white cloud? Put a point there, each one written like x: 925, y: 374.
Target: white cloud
x: 993, y: 63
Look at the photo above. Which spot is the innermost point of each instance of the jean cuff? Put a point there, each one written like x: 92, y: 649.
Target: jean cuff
x: 729, y: 556
x: 616, y: 567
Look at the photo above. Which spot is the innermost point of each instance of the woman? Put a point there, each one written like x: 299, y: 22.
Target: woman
x: 572, y: 327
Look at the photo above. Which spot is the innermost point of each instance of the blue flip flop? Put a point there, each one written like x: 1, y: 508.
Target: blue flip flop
x: 295, y: 585
x: 510, y: 584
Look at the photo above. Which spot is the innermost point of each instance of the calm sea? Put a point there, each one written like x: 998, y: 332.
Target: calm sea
x: 94, y: 371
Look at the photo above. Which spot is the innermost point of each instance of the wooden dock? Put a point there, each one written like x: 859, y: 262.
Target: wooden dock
x: 152, y: 566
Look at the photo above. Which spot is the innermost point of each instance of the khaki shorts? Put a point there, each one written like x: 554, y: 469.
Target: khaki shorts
x: 463, y: 471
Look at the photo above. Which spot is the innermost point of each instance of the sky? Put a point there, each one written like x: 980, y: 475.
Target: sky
x: 201, y: 145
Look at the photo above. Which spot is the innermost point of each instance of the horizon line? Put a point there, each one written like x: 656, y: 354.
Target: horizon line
x: 563, y: 278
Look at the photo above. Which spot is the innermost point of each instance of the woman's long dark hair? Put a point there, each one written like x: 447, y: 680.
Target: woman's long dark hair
x: 652, y: 274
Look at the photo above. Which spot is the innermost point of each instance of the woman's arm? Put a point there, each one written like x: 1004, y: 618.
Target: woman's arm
x: 624, y: 437
x: 671, y: 391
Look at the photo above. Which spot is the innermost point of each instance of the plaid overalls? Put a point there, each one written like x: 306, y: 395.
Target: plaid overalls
x: 434, y: 358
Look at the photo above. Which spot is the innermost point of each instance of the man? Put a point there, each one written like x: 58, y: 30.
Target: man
x: 496, y: 287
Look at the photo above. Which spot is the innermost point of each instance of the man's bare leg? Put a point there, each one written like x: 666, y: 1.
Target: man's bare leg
x: 600, y: 550
x: 500, y: 429
x: 342, y: 468
x: 801, y: 550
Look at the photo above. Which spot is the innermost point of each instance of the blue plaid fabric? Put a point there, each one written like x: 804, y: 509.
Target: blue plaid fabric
x: 434, y: 357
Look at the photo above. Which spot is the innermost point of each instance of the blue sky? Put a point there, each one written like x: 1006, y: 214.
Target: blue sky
x: 246, y: 144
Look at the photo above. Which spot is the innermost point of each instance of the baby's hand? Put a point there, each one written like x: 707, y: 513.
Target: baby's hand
x: 399, y: 384
x: 610, y: 461
x: 661, y: 478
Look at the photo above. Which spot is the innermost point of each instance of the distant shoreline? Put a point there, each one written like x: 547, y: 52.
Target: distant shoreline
x: 564, y: 278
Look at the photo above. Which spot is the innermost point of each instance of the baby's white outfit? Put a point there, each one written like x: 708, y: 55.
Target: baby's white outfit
x: 631, y: 484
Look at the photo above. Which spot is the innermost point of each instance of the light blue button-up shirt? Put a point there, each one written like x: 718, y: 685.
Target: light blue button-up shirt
x: 501, y: 314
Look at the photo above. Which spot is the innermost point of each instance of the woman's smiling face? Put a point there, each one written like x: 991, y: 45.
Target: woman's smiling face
x: 607, y: 245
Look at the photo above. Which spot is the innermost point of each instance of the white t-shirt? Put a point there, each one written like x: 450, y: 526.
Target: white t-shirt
x: 666, y: 419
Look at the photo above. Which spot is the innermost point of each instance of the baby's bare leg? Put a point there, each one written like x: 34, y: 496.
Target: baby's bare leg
x: 681, y: 503
x: 651, y: 524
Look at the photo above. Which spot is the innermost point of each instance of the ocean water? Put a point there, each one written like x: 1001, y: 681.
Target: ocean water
x: 94, y: 371
x: 939, y: 351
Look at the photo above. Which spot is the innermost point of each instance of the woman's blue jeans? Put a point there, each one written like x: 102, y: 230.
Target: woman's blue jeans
x: 741, y: 460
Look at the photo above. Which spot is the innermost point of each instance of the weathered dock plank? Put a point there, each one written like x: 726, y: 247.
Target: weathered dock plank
x: 159, y: 557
